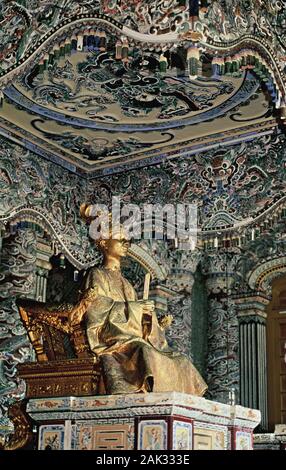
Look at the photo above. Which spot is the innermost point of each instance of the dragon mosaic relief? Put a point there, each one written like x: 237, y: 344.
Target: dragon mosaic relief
x: 26, y: 22
x: 17, y: 277
x: 94, y: 87
x: 183, y: 30
x: 237, y: 184
x: 231, y: 185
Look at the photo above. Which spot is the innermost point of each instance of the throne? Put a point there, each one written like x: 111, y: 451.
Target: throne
x: 65, y: 365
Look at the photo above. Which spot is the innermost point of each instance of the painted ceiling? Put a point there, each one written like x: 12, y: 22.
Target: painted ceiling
x: 104, y: 86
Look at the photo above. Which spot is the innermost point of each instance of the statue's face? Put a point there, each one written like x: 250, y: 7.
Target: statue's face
x: 117, y: 248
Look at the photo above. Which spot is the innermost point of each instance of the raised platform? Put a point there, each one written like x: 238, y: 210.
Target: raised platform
x: 152, y: 421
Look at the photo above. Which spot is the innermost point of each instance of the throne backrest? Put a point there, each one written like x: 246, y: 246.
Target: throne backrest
x: 51, y: 333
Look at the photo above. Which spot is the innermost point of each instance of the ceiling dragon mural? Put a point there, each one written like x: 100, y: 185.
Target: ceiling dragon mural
x: 94, y: 110
x: 96, y: 86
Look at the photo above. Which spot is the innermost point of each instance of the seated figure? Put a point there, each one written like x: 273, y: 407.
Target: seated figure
x: 126, y: 336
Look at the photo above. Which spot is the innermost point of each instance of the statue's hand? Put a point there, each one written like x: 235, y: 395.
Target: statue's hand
x: 148, y: 306
x: 166, y: 321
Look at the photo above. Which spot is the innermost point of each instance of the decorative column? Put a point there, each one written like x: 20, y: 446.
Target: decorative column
x: 180, y: 306
x: 223, y: 331
x: 252, y: 352
x: 188, y: 305
x: 181, y: 280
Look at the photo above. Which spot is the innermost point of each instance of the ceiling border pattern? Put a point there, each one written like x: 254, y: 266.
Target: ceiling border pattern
x: 251, y: 42
x: 151, y: 157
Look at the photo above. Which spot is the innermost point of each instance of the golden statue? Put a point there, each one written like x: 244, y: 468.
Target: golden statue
x: 126, y: 336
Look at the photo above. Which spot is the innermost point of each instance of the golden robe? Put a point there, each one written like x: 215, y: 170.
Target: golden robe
x: 129, y: 362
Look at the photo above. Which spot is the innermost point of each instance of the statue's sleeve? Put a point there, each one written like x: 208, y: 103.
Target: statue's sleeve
x: 99, y: 308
